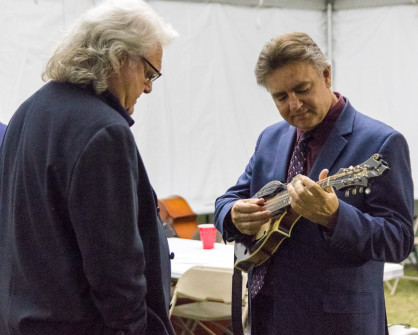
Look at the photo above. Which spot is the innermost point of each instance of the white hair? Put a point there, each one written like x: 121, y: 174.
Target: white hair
x: 103, y: 38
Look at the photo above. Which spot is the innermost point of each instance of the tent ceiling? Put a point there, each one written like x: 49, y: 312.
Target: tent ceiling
x: 310, y: 4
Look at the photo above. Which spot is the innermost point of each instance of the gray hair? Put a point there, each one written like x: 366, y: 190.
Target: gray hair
x: 103, y: 38
x: 286, y: 49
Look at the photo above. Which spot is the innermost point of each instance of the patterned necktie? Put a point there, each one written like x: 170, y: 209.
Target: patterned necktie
x: 297, y: 163
x: 297, y: 166
x: 257, y: 279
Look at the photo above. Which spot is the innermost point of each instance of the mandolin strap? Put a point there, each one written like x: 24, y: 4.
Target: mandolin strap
x: 236, y: 305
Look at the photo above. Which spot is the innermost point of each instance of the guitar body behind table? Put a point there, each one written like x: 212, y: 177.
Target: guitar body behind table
x: 177, y: 213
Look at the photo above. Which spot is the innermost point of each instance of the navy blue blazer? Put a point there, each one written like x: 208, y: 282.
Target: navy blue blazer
x: 2, y: 131
x: 333, y: 285
x: 82, y: 250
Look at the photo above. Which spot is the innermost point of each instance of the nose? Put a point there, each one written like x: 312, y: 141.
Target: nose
x: 294, y: 102
x: 148, y: 87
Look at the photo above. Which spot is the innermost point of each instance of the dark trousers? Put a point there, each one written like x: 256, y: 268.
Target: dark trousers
x: 262, y: 315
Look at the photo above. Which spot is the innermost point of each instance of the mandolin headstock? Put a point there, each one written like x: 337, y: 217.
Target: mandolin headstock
x: 360, y: 175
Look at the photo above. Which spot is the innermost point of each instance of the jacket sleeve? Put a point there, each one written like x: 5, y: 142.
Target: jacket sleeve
x: 103, y: 208
x: 382, y: 229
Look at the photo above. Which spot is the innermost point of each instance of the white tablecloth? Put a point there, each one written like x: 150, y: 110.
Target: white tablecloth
x: 188, y: 253
x: 392, y: 271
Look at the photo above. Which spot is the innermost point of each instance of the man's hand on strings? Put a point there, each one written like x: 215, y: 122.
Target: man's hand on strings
x: 307, y: 198
x: 248, y: 215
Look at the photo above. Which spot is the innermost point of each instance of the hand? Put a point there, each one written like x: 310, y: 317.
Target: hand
x: 248, y: 215
x: 308, y: 199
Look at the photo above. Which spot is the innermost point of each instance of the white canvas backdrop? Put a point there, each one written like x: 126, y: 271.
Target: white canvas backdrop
x: 375, y: 57
x: 198, y: 128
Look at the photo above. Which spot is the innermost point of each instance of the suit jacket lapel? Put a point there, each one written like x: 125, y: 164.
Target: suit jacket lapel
x: 283, y: 154
x: 335, y: 143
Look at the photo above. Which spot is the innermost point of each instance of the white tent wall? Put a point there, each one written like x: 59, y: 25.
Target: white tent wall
x: 213, y: 109
x: 198, y: 128
x: 375, y: 59
x: 28, y: 29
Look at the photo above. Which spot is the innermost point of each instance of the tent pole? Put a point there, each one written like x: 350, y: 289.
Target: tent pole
x: 329, y: 38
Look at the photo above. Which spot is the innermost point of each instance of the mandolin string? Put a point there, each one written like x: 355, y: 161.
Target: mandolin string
x: 281, y: 200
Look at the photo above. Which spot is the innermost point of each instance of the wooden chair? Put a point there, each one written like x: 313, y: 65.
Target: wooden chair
x: 210, y: 289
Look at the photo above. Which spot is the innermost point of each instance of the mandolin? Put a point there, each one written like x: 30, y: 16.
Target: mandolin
x: 259, y: 248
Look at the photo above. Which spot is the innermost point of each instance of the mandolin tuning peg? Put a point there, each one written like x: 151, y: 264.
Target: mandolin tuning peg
x: 354, y: 192
x: 367, y: 191
x: 360, y: 189
x: 347, y: 193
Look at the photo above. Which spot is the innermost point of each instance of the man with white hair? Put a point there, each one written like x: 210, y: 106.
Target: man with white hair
x: 82, y: 248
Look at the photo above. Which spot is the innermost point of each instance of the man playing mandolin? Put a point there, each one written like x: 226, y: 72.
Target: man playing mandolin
x: 324, y: 275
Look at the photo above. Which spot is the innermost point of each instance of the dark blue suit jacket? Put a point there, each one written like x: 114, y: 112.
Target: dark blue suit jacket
x: 2, y: 131
x: 82, y: 250
x: 333, y: 285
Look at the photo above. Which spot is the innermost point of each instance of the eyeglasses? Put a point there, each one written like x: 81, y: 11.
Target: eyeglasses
x: 151, y: 75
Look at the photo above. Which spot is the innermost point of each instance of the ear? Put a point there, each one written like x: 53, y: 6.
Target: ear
x: 327, y: 76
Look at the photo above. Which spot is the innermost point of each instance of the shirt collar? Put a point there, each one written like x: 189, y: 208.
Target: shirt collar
x: 331, y: 116
x: 113, y: 102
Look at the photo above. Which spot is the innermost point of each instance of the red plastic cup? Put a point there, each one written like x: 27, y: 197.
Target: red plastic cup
x: 207, y: 235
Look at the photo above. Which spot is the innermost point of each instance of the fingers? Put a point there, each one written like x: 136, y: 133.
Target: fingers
x: 323, y: 174
x: 248, y: 205
x: 299, y: 195
x: 310, y: 200
x: 305, y: 195
x: 302, y: 189
x: 248, y: 215
x: 307, y: 187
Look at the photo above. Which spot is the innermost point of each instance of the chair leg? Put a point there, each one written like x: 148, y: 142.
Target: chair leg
x: 222, y: 327
x: 206, y: 328
x: 185, y: 326
x: 416, y: 256
x: 195, y: 323
x: 410, y: 277
x: 394, y: 286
